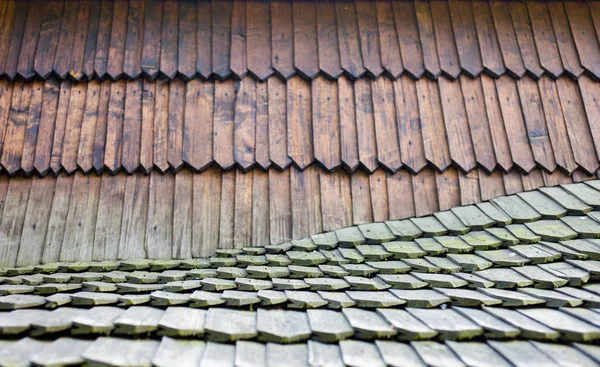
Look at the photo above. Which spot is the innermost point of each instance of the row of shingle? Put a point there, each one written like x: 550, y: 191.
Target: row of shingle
x: 53, y: 126
x: 169, y: 352
x: 233, y: 38
x: 283, y: 326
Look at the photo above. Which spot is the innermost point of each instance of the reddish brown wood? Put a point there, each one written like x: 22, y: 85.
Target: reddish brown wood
x: 278, y: 148
x: 132, y: 126
x: 512, y: 182
x: 259, y: 39
x: 7, y: 17
x: 45, y: 135
x: 169, y: 37
x: 544, y: 38
x: 491, y: 185
x: 280, y: 206
x: 536, y: 124
x: 507, y: 38
x: 586, y: 38
x: 118, y: 35
x: 556, y: 178
x: 408, y: 36
x: 391, y: 61
x: 132, y: 59
x: 348, y: 130
x: 147, y: 134
x: 238, y: 39
x: 65, y: 47
x: 175, y: 124
x: 379, y: 195
x: 89, y: 55
x: 427, y: 34
x: 564, y: 39
x: 327, y: 39
x: 204, y: 38
x: 409, y: 124
x: 400, y: 195
x: 161, y: 125
x: 49, y: 33
x: 425, y: 192
x: 386, y: 132
x: 73, y: 127
x: 85, y: 151
x: 198, y: 124
x: 457, y: 125
x: 522, y: 25
x: 432, y: 124
x: 31, y: 130
x: 496, y: 122
x: 262, y: 150
x: 299, y: 122
x: 221, y: 38
x: 444, y: 37
x: 326, y: 122
x: 470, y: 193
x: 448, y: 188
x: 6, y: 91
x: 282, y: 43
x: 305, y: 38
x: 533, y: 180
x: 59, y: 126
x: 16, y: 38
x: 244, y: 133
x: 491, y: 55
x: 104, y: 35
x: 369, y: 37
x: 465, y: 35
x: 152, y: 38
x: 365, y: 125
x: 223, y: 123
x: 187, y: 49
x: 114, y: 126
x: 35, y: 17
x: 101, y: 126
x: 362, y: 211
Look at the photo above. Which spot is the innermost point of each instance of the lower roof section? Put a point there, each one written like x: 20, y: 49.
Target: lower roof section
x: 88, y: 217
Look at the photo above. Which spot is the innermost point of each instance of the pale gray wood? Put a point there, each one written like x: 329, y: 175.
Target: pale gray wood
x: 473, y: 217
x: 585, y: 314
x: 94, y: 299
x: 553, y: 299
x: 529, y: 327
x: 425, y: 298
x: 62, y: 352
x: 329, y: 326
x: 324, y: 355
x: 477, y: 354
x: 448, y: 323
x: 404, y: 230
x: 584, y: 193
x: 493, y: 327
x: 504, y: 278
x: 304, y: 299
x: 230, y: 325
x: 121, y: 352
x: 522, y: 354
x: 19, y: 354
x: 368, y: 324
x: 289, y: 355
x: 592, y: 351
x: 370, y: 299
x: 98, y: 320
x: 138, y: 320
x: 18, y: 321
x: 407, y: 326
x: 178, y: 352
x: 565, y: 355
x: 59, y: 320
x: 517, y: 209
x: 451, y: 222
x: 589, y: 299
x: 547, y: 207
x: 468, y: 297
x: 398, y: 354
x: 358, y: 353
x: 282, y: 326
x: 182, y: 321
x: 570, y: 327
x: 512, y: 298
x: 250, y: 354
x: 162, y: 299
x: 436, y: 354
x: 218, y: 355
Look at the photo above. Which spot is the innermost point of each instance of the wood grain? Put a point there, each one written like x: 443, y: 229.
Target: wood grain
x: 326, y: 123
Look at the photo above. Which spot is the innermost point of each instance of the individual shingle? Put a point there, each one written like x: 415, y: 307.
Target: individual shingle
x: 481, y: 240
x: 267, y: 272
x: 503, y: 257
x: 20, y: 353
x: 473, y: 217
x: 334, y: 257
x: 522, y: 353
x: 45, y: 268
x: 57, y: 278
x: 6, y: 289
x: 504, y: 278
x: 350, y: 236
x: 398, y: 354
x: 176, y: 352
x: 325, y: 241
x: 161, y: 298
x: 16, y: 301
x: 404, y: 249
x: 333, y: 271
x: 565, y: 355
x: 591, y: 316
x: 376, y: 232
x: 371, y: 299
x: 305, y: 244
x: 565, y: 251
x: 248, y: 284
x: 218, y: 354
x: 511, y: 298
x: 389, y: 267
x: 217, y: 262
x: 590, y: 248
x: 477, y: 354
x: 451, y: 222
x: 189, y: 264
x: 552, y: 230
x: 254, y: 251
x: 431, y: 246
x: 352, y: 255
x: 217, y: 285
x: 530, y: 329
x: 202, y: 273
x: 430, y: 226
x: 164, y: 264
x: 468, y: 297
x: 540, y: 277
x: 441, y: 280
x: 453, y: 244
x: 268, y: 297
x: 287, y: 355
x: 322, y: 354
x: 33, y: 279
x: 524, y: 234
x: 493, y: 327
x: 94, y: 299
x: 205, y: 299
x: 277, y: 249
x: 575, y: 276
x: 98, y: 320
x: 298, y: 271
x: 86, y: 277
x: 134, y: 264
x: 61, y: 352
x: 326, y: 284
x: 358, y: 353
x: 240, y: 298
x: 366, y: 284
x: 121, y: 352
x: 226, y: 325
x: 568, y: 201
x: 403, y: 281
x: 142, y: 277
x: 475, y: 281
x: 404, y: 230
x: 247, y: 260
x: 449, y: 324
x: 553, y: 299
x: 517, y: 209
x: 182, y: 322
x: 337, y: 299
x: 306, y: 258
x: 444, y: 264
x: 422, y: 298
x: 585, y: 193
x: 304, y: 299
x: 570, y: 327
x: 138, y: 288
x: 407, y: 326
x: 59, y: 320
x: 495, y: 213
x: 592, y: 351
x: 230, y: 272
x: 373, y: 252
x: 422, y: 265
x: 436, y: 354
x: 127, y: 300
x: 227, y: 253
x: 359, y: 269
x: 74, y: 267
x: 536, y: 253
x: 329, y: 326
x: 586, y: 227
x: 22, y: 270
x: 18, y: 321
x: 182, y: 286
x: 589, y: 299
x: 368, y: 324
x: 138, y: 320
x: 289, y: 284
x: 282, y: 326
x: 591, y: 266
x: 504, y: 235
x: 470, y: 262
x: 250, y: 354
x: 50, y: 288
x: 548, y: 208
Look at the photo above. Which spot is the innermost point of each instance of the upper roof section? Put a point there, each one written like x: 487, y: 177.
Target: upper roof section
x: 231, y: 39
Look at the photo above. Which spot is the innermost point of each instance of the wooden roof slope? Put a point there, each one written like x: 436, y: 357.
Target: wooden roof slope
x: 223, y: 39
